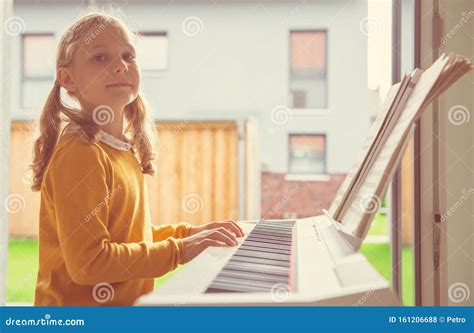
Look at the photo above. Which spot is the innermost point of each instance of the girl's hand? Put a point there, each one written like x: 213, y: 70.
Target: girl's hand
x: 198, y: 242
x: 230, y: 225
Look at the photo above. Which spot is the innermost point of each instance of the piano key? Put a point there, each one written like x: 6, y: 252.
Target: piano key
x: 263, y: 255
x: 254, y: 276
x: 283, y: 247
x: 275, y: 225
x: 271, y: 233
x: 231, y: 281
x: 259, y: 238
x: 286, y: 231
x: 225, y: 288
x: 267, y: 236
x: 275, y: 234
x: 270, y: 227
x: 261, y: 268
x: 271, y: 262
x: 264, y: 249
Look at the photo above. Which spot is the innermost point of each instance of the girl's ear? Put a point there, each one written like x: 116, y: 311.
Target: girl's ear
x: 65, y: 78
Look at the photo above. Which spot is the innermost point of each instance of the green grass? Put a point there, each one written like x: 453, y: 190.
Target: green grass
x: 379, y: 226
x: 22, y: 270
x: 379, y: 256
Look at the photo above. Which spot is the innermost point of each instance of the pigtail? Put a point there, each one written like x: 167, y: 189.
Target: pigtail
x: 49, y: 125
x: 143, y: 133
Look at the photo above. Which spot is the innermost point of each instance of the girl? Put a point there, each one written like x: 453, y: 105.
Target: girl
x: 95, y: 228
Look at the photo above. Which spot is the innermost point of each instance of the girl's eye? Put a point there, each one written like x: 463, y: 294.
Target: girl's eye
x: 100, y: 58
x: 129, y: 57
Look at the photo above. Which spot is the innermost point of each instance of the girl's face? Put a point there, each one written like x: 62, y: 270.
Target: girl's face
x: 103, y: 70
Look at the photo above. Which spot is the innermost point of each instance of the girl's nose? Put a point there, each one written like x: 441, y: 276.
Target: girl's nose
x: 120, y: 66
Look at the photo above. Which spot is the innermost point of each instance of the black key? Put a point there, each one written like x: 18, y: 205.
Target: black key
x: 230, y: 281
x: 271, y: 233
x: 258, y: 268
x: 273, y: 228
x: 263, y: 255
x: 219, y: 287
x: 258, y: 238
x: 289, y: 231
x: 254, y: 276
x: 260, y: 261
x: 263, y: 249
x: 268, y: 236
x: 283, y: 247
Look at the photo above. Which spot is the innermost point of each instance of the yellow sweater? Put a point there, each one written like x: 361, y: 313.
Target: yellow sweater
x: 97, y: 245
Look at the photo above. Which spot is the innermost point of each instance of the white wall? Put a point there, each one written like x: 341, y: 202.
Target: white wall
x: 239, y: 65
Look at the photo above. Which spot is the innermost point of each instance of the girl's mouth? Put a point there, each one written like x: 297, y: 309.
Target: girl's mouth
x: 119, y: 85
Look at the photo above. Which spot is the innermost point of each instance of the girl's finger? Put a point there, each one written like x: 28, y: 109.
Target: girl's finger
x: 223, y: 235
x: 211, y: 242
x: 231, y: 226
x: 241, y: 231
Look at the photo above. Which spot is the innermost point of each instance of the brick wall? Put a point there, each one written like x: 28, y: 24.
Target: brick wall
x: 283, y: 198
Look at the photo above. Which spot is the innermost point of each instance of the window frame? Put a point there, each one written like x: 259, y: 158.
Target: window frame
x: 310, y: 175
x: 24, y: 78
x: 155, y: 72
x: 309, y: 110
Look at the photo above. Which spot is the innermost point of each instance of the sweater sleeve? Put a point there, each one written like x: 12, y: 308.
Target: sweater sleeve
x: 80, y: 181
x: 180, y: 230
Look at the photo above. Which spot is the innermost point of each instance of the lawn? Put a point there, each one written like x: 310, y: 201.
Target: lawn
x: 379, y: 256
x: 23, y: 265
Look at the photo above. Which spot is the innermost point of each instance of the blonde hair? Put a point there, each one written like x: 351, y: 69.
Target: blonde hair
x: 55, y: 113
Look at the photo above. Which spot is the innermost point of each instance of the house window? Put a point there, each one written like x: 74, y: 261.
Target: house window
x: 37, y: 71
x: 152, y: 51
x: 308, y: 69
x: 307, y: 154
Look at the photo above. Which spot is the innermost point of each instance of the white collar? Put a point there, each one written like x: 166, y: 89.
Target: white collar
x: 114, y: 142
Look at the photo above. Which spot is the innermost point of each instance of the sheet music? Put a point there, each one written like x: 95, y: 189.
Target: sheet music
x: 384, y: 128
x: 387, y: 127
x: 367, y: 199
x: 375, y: 128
